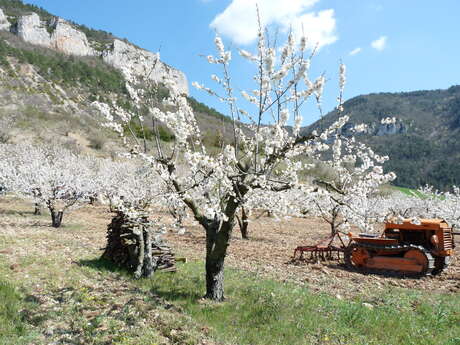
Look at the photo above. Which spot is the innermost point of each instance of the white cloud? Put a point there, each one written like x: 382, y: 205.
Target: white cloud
x: 380, y: 43
x: 239, y: 22
x: 355, y: 51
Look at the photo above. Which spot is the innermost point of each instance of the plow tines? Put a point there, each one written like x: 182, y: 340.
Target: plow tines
x: 324, y: 250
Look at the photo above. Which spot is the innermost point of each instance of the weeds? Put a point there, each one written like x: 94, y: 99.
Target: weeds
x: 13, y: 328
x: 260, y: 311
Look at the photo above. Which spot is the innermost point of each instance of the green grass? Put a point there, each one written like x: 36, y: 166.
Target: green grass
x: 13, y: 329
x: 260, y: 311
x: 408, y: 191
x: 414, y: 193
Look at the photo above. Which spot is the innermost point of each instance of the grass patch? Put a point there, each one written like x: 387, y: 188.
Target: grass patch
x: 261, y: 311
x: 407, y: 191
x: 13, y: 329
x: 414, y: 193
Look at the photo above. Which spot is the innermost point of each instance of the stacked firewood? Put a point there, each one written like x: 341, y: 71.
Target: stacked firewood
x: 137, y: 244
x: 166, y: 259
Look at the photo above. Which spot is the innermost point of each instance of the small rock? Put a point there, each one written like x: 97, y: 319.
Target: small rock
x: 368, y: 305
x: 49, y: 332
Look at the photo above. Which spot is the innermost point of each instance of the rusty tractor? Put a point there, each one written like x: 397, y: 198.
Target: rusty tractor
x: 406, y: 248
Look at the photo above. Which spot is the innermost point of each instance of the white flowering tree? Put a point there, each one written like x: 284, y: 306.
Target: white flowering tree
x: 357, y: 175
x: 133, y: 237
x: 263, y: 155
x: 286, y: 203
x: 54, y: 177
x: 115, y: 182
x: 428, y: 202
x: 5, y: 168
x: 449, y: 207
x: 425, y: 202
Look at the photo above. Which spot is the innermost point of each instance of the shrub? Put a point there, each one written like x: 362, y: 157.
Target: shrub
x: 98, y: 78
x: 203, y: 108
x: 97, y: 143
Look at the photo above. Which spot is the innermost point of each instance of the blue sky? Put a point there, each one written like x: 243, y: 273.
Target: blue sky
x: 398, y: 45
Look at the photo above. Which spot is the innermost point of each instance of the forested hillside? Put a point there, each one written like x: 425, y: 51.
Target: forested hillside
x: 423, y: 144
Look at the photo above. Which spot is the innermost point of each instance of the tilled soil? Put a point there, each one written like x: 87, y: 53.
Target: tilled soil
x: 268, y: 252
x: 270, y: 249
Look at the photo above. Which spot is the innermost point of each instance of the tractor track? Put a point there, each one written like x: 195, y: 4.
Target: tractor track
x: 386, y: 272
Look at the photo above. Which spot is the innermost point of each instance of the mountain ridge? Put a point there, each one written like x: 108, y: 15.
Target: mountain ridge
x: 37, y: 26
x: 423, y: 144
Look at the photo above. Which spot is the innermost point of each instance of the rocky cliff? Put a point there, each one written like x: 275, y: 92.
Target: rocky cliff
x: 4, y: 23
x: 376, y: 128
x: 390, y: 129
x: 122, y: 55
x: 62, y: 36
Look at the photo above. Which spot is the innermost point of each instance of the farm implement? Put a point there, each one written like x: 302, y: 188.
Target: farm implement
x: 324, y: 250
x: 406, y: 248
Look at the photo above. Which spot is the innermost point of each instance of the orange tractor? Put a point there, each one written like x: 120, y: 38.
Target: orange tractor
x: 405, y: 248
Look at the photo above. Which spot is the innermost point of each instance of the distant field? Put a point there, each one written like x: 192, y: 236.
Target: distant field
x: 408, y: 191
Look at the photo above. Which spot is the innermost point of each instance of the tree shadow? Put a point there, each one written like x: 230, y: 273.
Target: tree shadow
x: 165, y: 285
x: 102, y: 264
x: 176, y: 293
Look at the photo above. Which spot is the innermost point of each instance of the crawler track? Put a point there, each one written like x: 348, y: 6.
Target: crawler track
x: 397, y: 249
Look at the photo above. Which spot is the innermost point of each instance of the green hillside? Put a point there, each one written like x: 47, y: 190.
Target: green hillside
x: 423, y: 146
x: 44, y: 95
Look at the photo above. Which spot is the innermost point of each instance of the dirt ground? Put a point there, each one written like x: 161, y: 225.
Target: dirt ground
x: 77, y: 301
x: 270, y: 249
x: 268, y: 252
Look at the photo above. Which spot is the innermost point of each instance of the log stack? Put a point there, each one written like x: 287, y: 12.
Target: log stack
x: 136, y: 244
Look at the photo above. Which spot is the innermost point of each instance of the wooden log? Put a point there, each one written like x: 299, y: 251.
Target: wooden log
x: 134, y: 245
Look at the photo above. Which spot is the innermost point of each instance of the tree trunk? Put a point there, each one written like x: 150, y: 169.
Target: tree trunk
x: 333, y: 230
x: 56, y: 218
x: 141, y: 253
x: 217, y: 241
x: 150, y: 261
x: 37, y: 210
x: 243, y: 223
x: 334, y: 222
x: 215, y: 278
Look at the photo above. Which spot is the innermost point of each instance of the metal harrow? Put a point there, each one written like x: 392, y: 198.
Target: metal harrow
x: 324, y: 250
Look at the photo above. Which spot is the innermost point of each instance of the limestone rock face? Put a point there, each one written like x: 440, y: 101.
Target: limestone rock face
x: 389, y: 129
x: 378, y: 129
x: 65, y: 38
x: 137, y: 61
x: 4, y: 23
x: 31, y: 29
x: 60, y: 35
